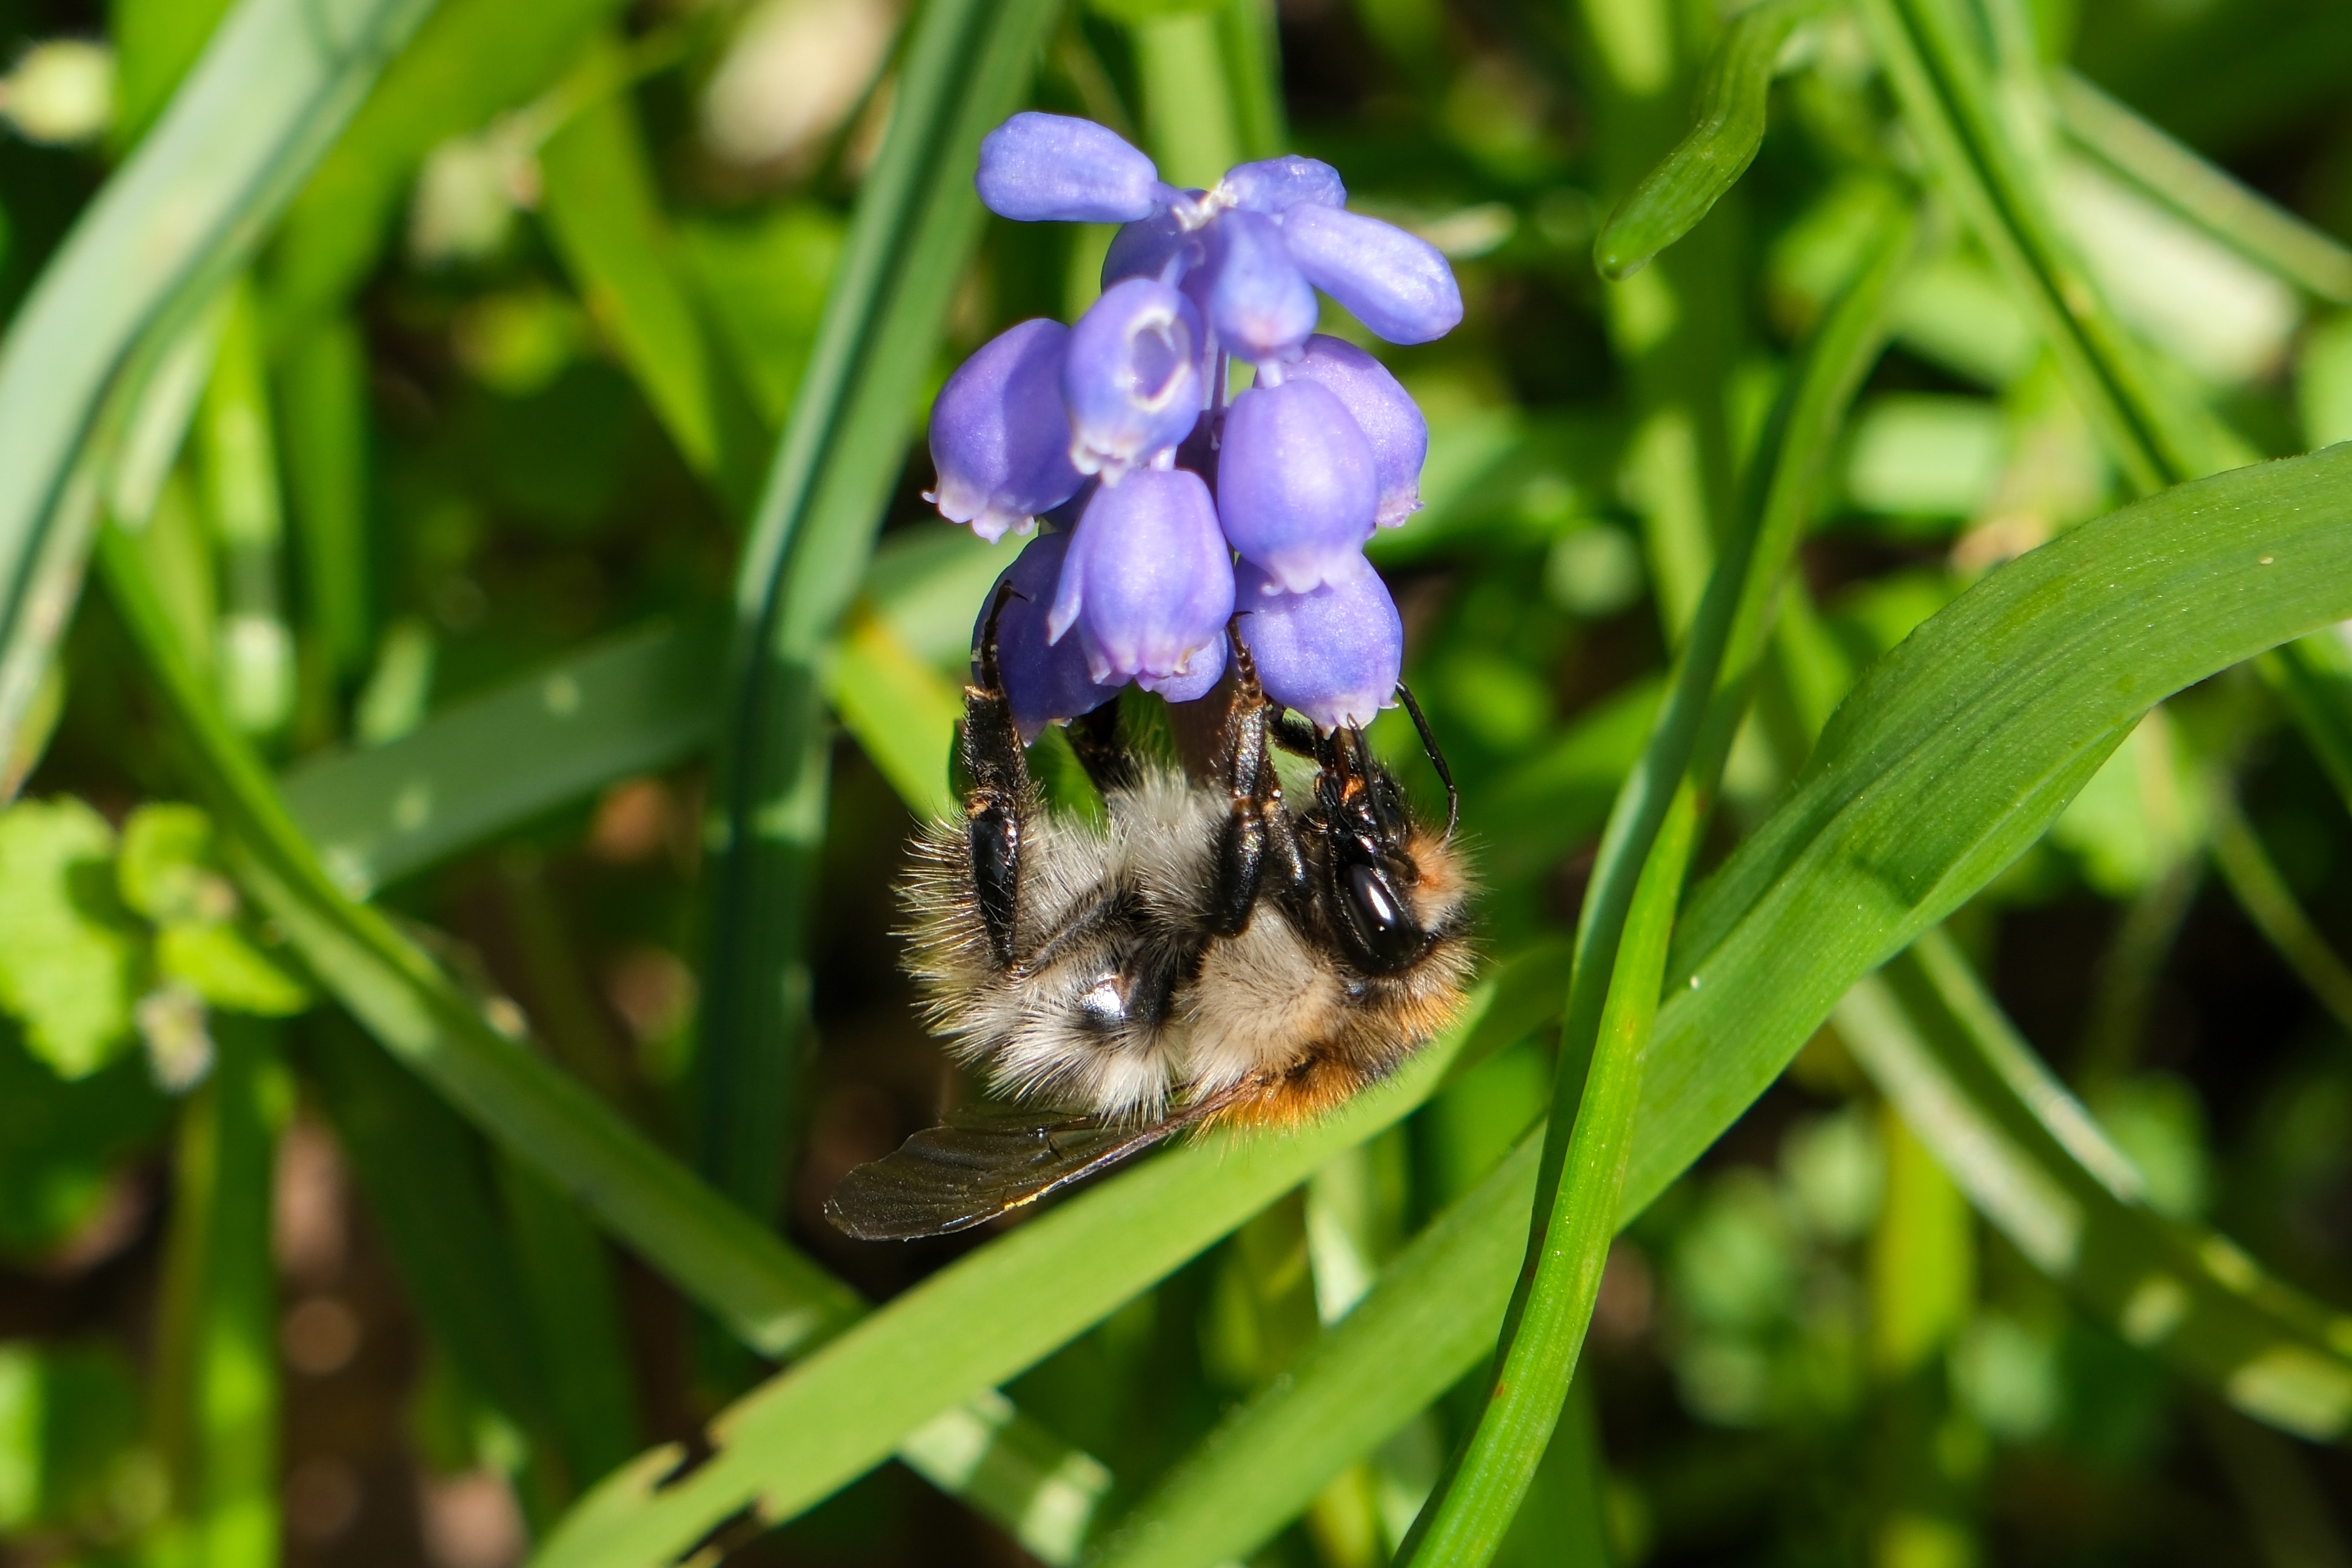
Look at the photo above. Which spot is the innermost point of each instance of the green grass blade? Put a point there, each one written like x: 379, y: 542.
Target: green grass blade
x: 1470, y: 1516
x: 797, y: 1438
x: 273, y: 87
x: 2313, y: 678
x: 471, y: 59
x: 575, y: 1316
x: 429, y: 1193
x: 1956, y: 751
x: 639, y: 701
x: 217, y: 1373
x: 2261, y: 891
x: 903, y: 712
x: 604, y: 215
x: 2247, y: 222
x: 966, y: 64
x: 2035, y: 1163
x: 1684, y: 188
x: 1933, y: 59
x: 1429, y: 1319
x: 322, y: 401
x: 1635, y: 889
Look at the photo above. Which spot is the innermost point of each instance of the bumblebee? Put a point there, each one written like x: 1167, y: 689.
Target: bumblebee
x: 1207, y: 954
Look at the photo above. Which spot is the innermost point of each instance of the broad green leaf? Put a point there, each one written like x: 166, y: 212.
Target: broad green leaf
x: 964, y: 68
x: 1960, y: 747
x: 274, y: 86
x: 471, y: 61
x: 640, y: 702
x: 68, y: 957
x: 2039, y: 1167
x: 1672, y: 197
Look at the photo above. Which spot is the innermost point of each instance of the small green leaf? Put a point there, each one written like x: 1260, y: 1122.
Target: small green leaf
x: 1672, y: 197
x: 165, y: 867
x: 228, y: 972
x: 69, y: 957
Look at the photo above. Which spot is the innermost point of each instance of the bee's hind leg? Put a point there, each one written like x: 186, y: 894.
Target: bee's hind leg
x: 1256, y: 833
x: 998, y: 796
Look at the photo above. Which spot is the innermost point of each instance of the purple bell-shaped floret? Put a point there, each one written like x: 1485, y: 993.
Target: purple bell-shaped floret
x: 1145, y: 247
x: 1046, y: 682
x: 1297, y: 483
x: 1278, y: 184
x: 1051, y: 168
x: 1333, y: 654
x: 1131, y: 376
x: 1148, y: 583
x: 999, y: 437
x: 1259, y: 303
x: 1391, y: 420
x: 1396, y: 284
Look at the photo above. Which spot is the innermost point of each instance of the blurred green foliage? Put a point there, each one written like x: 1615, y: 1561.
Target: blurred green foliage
x: 462, y: 801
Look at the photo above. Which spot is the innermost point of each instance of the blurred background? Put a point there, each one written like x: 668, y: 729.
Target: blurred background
x: 493, y: 405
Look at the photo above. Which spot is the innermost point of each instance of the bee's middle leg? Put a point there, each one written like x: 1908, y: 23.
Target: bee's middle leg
x: 1256, y: 833
x: 998, y: 797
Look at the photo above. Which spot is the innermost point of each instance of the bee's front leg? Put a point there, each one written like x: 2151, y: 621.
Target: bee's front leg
x: 997, y: 799
x: 1256, y: 833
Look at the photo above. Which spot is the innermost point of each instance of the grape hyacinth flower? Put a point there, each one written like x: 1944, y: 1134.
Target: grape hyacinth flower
x: 1293, y: 474
x: 999, y: 438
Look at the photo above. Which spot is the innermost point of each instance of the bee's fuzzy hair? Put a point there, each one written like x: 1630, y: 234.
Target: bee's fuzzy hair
x: 1271, y: 1020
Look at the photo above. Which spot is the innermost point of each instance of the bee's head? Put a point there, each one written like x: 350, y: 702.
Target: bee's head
x: 1390, y: 890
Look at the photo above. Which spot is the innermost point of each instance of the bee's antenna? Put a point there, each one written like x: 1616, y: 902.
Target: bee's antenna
x: 1436, y: 757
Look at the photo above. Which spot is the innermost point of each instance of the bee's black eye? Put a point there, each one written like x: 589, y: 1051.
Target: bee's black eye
x: 1387, y: 932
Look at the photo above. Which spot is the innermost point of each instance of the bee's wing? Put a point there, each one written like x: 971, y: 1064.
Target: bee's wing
x: 989, y: 1161
x: 955, y: 1176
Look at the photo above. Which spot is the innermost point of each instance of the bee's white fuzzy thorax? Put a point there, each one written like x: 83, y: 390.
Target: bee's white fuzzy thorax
x: 1123, y: 905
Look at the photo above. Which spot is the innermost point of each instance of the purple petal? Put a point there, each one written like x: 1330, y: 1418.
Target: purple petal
x: 1046, y: 682
x: 1297, y: 484
x: 1206, y: 668
x: 1333, y: 654
x: 1051, y: 168
x: 999, y: 437
x: 1397, y: 285
x: 1130, y: 377
x: 1148, y: 583
x: 1259, y: 303
x: 1385, y: 412
x: 1278, y: 184
x: 1145, y: 247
